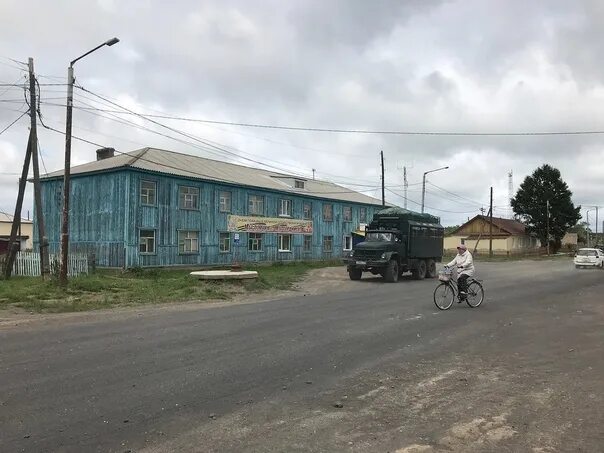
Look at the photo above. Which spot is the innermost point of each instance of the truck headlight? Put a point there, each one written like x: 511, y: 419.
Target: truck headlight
x: 351, y: 253
x: 383, y: 256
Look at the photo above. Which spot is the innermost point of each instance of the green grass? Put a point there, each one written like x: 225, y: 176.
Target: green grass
x: 106, y: 289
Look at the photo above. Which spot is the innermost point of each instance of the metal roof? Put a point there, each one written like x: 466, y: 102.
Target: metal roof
x: 186, y: 165
x: 4, y: 217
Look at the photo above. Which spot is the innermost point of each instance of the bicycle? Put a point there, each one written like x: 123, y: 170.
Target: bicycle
x: 447, y: 291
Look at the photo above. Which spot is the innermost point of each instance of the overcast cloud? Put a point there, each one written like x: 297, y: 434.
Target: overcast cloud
x: 475, y: 65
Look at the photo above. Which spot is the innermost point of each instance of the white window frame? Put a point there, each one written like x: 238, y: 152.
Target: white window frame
x: 299, y: 184
x: 189, y: 240
x: 307, y: 237
x: 344, y: 217
x: 325, y: 249
x: 144, y: 240
x: 330, y: 219
x: 283, y: 244
x: 221, y: 242
x: 254, y: 203
x: 147, y: 191
x: 285, y: 207
x: 188, y: 197
x: 347, y: 238
x: 223, y: 196
x: 257, y: 240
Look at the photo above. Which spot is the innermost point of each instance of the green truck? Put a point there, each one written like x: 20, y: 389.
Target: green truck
x: 398, y: 241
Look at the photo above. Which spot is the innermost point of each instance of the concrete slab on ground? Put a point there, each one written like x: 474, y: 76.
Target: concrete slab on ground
x: 225, y: 275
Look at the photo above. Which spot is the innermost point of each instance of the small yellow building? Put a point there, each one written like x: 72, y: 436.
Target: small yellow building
x: 25, y: 236
x: 509, y: 236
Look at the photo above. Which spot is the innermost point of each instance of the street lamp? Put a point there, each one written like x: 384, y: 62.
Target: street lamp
x: 594, y: 208
x: 66, y: 175
x: 424, y: 184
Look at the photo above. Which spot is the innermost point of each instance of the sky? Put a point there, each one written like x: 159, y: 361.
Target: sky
x: 415, y: 66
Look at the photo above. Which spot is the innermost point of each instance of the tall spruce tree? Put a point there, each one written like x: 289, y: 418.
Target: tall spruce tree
x: 530, y: 205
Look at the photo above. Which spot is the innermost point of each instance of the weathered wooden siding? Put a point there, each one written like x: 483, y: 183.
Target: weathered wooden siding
x: 96, y: 215
x: 106, y: 216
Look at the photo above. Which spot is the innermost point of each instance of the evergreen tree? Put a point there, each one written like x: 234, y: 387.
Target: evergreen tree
x: 530, y: 205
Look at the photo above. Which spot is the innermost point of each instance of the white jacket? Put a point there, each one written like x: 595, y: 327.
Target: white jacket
x: 464, y: 264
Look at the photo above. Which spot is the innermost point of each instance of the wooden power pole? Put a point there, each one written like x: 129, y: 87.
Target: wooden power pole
x: 383, y: 183
x: 31, y: 154
x: 42, y: 239
x: 12, y: 243
x: 491, y: 225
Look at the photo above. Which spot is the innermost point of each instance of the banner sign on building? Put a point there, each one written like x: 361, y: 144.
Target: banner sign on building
x: 238, y: 223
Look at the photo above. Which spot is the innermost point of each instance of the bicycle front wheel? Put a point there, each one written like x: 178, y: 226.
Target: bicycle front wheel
x: 443, y: 296
x: 475, y: 294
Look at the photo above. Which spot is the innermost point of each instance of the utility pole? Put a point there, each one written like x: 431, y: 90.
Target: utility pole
x: 313, y: 174
x: 405, y: 184
x: 33, y: 143
x: 491, y: 225
x: 511, y: 192
x: 587, y: 229
x: 383, y: 182
x: 597, y: 240
x: 12, y: 243
x: 547, y: 221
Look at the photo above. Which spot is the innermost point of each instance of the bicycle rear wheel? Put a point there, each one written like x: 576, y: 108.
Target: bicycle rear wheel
x: 443, y: 296
x: 475, y: 294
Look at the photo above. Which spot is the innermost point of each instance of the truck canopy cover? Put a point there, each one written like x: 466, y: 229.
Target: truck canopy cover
x: 407, y: 215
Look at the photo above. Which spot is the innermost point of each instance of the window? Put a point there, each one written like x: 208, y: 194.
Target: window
x: 347, y: 214
x: 225, y: 201
x: 328, y: 212
x: 188, y: 241
x: 148, y: 189
x: 256, y: 205
x: 307, y: 211
x: 146, y: 241
x: 299, y: 184
x: 285, y: 242
x: 188, y: 197
x: 224, y: 245
x: 307, y: 243
x: 347, y: 242
x: 363, y: 215
x: 254, y: 243
x: 285, y: 208
x: 327, y: 243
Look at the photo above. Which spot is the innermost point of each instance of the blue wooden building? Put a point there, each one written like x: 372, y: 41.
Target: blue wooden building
x: 154, y: 207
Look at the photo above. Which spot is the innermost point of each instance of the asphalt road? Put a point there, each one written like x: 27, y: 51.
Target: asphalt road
x: 253, y: 377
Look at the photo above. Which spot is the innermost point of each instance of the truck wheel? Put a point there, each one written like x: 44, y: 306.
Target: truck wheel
x: 431, y: 269
x: 355, y: 274
x: 420, y: 272
x: 391, y: 272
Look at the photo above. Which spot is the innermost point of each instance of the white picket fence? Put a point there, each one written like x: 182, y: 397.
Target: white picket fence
x: 27, y: 264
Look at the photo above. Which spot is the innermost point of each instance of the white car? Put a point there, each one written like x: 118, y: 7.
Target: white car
x: 589, y: 258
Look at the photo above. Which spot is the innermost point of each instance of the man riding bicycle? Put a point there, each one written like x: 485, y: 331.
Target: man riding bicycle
x: 465, y: 269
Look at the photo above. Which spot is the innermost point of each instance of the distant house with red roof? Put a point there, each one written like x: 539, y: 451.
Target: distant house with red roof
x: 509, y: 236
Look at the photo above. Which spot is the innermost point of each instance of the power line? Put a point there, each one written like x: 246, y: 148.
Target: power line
x: 365, y: 131
x: 41, y: 157
x: 8, y: 127
x: 434, y: 209
x: 456, y: 195
x: 213, y: 145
